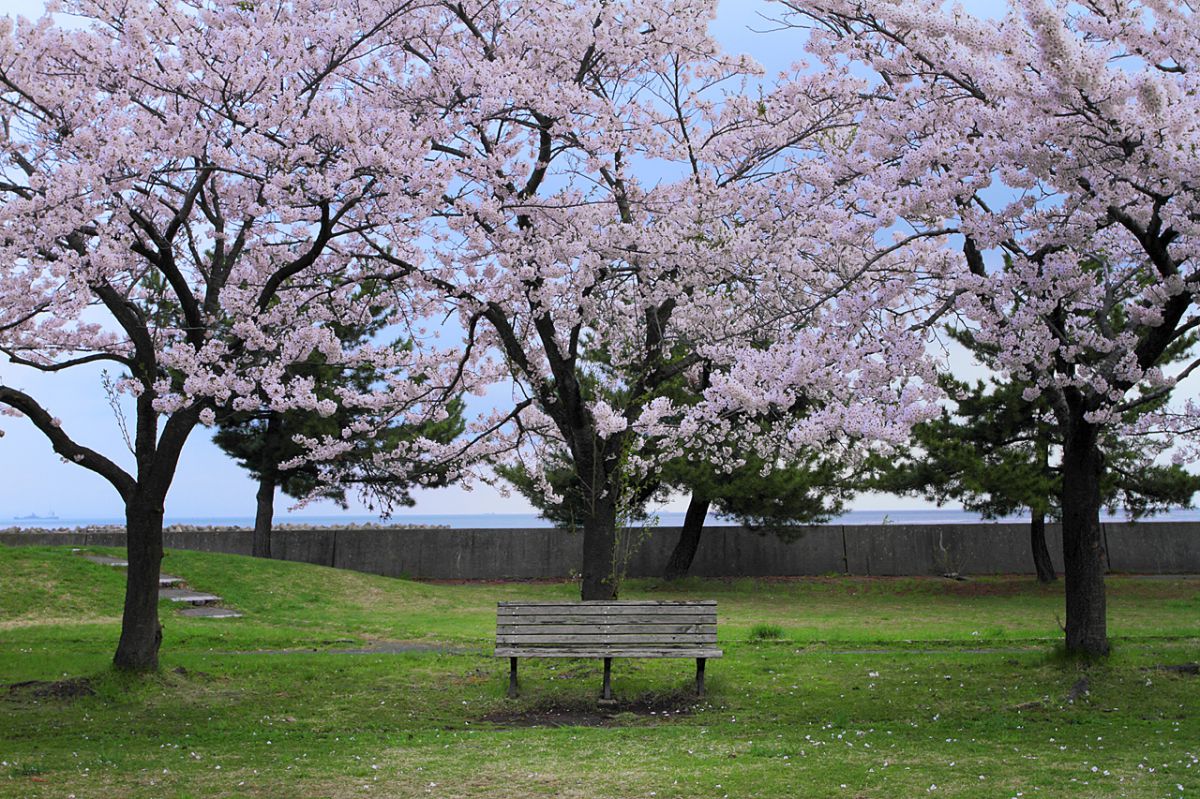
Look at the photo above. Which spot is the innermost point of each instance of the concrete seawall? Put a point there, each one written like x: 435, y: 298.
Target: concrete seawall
x: 867, y: 550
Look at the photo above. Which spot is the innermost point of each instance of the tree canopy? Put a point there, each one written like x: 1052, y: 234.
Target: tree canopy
x: 1053, y: 149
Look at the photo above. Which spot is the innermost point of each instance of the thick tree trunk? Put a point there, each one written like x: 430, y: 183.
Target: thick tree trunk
x: 1083, y: 543
x: 268, y: 477
x: 1037, y: 545
x: 141, y: 634
x: 689, y: 539
x: 599, y: 551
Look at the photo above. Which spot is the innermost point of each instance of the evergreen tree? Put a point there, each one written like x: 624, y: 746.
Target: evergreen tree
x: 805, y: 491
x: 762, y: 493
x: 262, y: 441
x: 808, y: 489
x: 995, y: 454
x: 799, y: 492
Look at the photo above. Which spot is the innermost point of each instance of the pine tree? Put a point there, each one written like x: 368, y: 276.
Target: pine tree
x: 262, y: 441
x: 995, y: 454
x: 806, y: 491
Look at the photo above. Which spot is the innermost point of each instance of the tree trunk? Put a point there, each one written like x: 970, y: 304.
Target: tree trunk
x: 599, y: 550
x: 689, y: 539
x: 141, y: 634
x: 268, y: 477
x: 260, y: 543
x: 1037, y: 544
x: 1083, y: 543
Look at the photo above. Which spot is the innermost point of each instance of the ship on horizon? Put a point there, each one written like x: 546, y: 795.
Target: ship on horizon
x: 33, y: 517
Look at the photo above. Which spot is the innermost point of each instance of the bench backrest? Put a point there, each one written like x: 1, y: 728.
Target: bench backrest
x: 620, y: 626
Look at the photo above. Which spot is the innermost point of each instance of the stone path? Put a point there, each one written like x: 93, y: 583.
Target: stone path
x: 188, y: 596
x: 202, y: 605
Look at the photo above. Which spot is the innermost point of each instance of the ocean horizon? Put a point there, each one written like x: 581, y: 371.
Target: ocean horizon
x: 520, y: 520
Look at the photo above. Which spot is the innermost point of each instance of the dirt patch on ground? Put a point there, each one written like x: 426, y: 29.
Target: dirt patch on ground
x: 1192, y: 669
x: 951, y: 585
x: 61, y: 689
x: 965, y: 585
x: 505, y: 581
x: 656, y: 708
x: 56, y: 621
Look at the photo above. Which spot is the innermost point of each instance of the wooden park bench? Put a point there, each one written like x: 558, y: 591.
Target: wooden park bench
x: 635, y: 629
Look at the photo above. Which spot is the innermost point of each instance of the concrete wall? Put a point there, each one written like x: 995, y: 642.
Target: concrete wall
x: 878, y: 550
x: 894, y: 550
x: 1161, y: 548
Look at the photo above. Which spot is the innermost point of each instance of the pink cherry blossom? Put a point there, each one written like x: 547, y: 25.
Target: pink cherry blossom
x: 628, y: 210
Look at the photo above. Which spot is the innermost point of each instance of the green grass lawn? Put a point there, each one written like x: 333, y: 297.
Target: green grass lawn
x: 839, y: 687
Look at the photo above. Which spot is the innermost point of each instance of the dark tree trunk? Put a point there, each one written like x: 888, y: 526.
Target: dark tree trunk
x: 260, y: 543
x: 1037, y: 521
x: 268, y: 477
x: 1083, y: 543
x: 1037, y: 545
x: 689, y: 539
x: 141, y: 634
x: 599, y: 550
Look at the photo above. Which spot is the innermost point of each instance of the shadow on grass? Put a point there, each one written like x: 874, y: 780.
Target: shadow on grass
x: 647, y: 708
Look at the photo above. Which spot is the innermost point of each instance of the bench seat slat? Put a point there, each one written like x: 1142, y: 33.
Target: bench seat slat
x: 605, y: 629
x: 604, y: 607
x: 615, y: 603
x: 709, y: 617
x: 632, y: 639
x: 608, y: 613
x: 607, y: 652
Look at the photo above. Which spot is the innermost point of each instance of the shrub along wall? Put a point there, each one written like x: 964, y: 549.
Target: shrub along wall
x: 869, y: 550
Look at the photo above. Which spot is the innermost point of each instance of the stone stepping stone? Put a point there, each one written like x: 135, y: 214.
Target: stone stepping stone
x: 209, y: 612
x: 169, y: 588
x: 166, y: 580
x: 184, y: 595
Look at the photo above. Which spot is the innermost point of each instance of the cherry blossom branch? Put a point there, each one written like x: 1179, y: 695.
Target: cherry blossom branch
x: 58, y: 366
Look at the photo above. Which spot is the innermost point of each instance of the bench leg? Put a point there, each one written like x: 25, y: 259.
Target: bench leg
x: 608, y: 678
x: 700, y: 676
x: 512, y: 678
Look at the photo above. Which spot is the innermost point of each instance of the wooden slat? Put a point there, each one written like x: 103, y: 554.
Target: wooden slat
x: 615, y: 618
x: 589, y: 618
x: 608, y: 652
x: 521, y: 614
x: 605, y: 629
x: 632, y: 639
x: 616, y: 603
x: 580, y: 610
x: 570, y: 618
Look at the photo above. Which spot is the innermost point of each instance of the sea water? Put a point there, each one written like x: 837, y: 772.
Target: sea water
x: 519, y: 520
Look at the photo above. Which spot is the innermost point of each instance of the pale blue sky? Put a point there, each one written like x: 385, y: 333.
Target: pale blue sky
x: 208, y: 484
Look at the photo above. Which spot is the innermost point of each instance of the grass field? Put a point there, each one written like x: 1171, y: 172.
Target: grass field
x: 838, y: 687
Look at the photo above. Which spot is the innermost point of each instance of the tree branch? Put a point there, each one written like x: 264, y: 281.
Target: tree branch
x: 60, y: 365
x: 65, y: 446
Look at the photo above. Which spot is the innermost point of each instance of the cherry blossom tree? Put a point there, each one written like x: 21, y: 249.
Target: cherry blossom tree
x: 183, y: 186
x: 1058, y: 146
x: 193, y: 191
x: 631, y: 208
